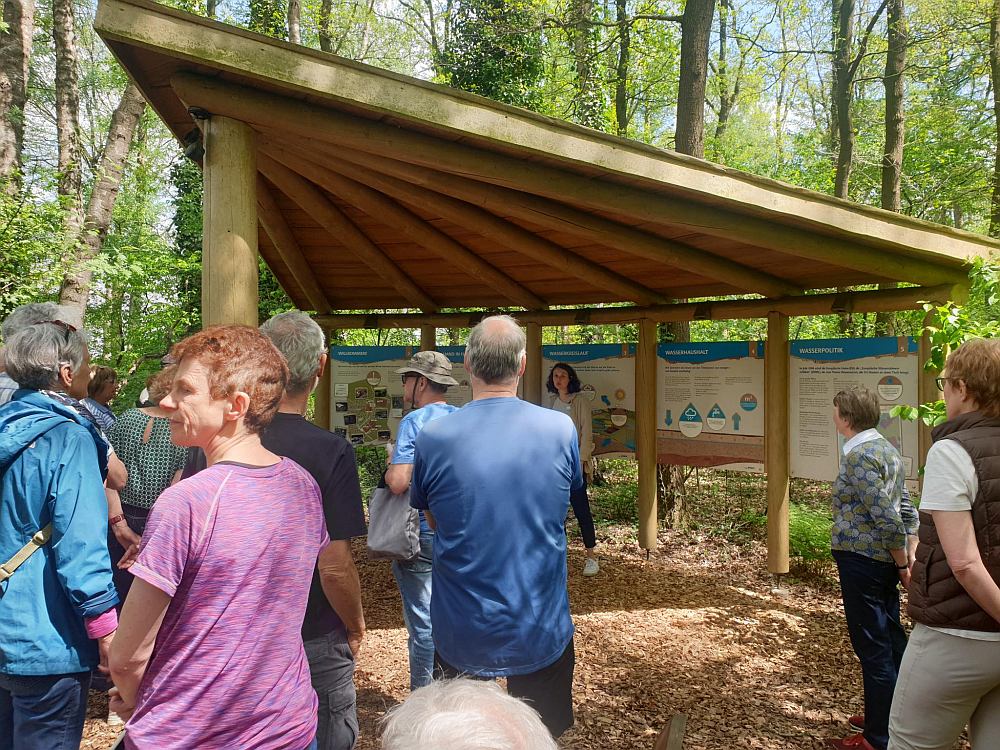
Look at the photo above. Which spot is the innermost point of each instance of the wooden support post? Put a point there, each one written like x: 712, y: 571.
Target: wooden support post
x: 927, y: 390
x: 645, y: 431
x: 322, y: 404
x: 229, y: 259
x: 428, y: 338
x: 776, y: 441
x: 531, y: 388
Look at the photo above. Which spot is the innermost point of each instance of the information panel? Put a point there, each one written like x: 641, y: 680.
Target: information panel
x: 820, y: 368
x: 710, y: 404
x: 607, y: 377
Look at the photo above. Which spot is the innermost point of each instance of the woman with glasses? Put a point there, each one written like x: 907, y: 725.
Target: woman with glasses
x: 57, y: 599
x: 950, y: 675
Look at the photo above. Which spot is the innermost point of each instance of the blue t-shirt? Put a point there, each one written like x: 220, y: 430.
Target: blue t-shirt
x: 406, y: 435
x: 497, y: 476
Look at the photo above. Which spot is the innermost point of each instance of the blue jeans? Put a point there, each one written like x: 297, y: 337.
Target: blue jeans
x: 414, y: 581
x: 331, y: 666
x: 871, y: 606
x: 43, y: 712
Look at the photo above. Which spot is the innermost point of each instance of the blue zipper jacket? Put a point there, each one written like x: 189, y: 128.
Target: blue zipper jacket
x: 49, y: 473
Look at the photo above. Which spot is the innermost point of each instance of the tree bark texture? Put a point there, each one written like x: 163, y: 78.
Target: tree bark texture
x: 895, y: 116
x: 76, y: 283
x: 67, y: 87
x: 622, y: 66
x: 843, y: 94
x: 583, y: 36
x: 15, y: 54
x: 995, y: 81
x: 696, y: 29
x: 295, y: 21
x: 325, y: 39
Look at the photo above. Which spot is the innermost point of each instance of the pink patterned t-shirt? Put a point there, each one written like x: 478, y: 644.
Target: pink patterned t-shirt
x: 235, y: 548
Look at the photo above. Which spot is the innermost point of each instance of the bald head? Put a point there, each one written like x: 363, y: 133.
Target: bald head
x: 495, y: 350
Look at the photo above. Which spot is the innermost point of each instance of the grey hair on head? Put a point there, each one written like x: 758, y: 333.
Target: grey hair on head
x: 34, y: 355
x: 464, y: 714
x: 495, y: 349
x: 33, y: 313
x: 300, y: 341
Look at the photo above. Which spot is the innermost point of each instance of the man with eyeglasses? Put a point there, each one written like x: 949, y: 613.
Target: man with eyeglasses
x: 426, y: 378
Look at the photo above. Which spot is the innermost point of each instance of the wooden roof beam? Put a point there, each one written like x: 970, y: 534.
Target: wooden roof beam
x: 430, y: 237
x: 875, y: 300
x: 331, y: 218
x: 304, y: 120
x: 288, y: 249
x: 486, y: 224
x: 559, y: 216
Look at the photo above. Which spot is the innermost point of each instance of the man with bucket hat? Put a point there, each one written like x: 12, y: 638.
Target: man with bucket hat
x: 426, y: 378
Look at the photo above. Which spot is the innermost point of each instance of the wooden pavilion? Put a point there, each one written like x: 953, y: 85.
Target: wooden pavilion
x: 366, y: 190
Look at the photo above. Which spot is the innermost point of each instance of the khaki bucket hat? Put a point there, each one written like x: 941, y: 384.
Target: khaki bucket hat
x: 432, y: 365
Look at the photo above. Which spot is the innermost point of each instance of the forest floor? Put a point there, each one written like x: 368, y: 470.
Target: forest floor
x: 696, y: 629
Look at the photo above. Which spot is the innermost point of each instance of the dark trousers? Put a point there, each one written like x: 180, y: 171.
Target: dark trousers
x: 871, y: 606
x: 331, y: 666
x: 43, y: 712
x: 549, y: 690
x: 581, y: 509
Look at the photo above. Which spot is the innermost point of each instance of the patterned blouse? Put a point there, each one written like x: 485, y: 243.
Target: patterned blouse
x: 152, y: 463
x: 872, y: 512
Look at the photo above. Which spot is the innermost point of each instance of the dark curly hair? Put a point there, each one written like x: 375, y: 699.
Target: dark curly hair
x: 574, y: 381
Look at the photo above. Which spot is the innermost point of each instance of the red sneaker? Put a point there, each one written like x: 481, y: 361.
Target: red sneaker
x: 856, y: 723
x: 854, y: 742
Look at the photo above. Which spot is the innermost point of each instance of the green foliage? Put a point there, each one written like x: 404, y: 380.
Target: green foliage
x: 808, y: 533
x: 495, y: 50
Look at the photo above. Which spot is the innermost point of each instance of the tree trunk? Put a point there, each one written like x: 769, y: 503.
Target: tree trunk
x: 294, y: 21
x: 76, y: 284
x: 325, y: 39
x: 15, y: 53
x: 211, y: 7
x: 726, y: 94
x: 843, y: 94
x: 69, y: 184
x: 696, y: 29
x: 895, y: 121
x: 621, y: 68
x: 995, y: 80
x: 587, y: 101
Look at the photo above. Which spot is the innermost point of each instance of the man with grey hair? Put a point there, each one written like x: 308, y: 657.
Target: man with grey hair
x: 463, y: 714
x: 56, y: 579
x: 334, y: 623
x: 494, y: 478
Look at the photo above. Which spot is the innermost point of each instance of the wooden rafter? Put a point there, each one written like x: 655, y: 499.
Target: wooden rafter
x: 292, y: 116
x: 488, y: 225
x: 319, y: 207
x: 284, y: 242
x: 559, y: 216
x: 877, y: 300
x: 378, y: 206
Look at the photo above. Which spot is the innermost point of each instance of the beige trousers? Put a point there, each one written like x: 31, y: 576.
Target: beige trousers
x: 944, y: 683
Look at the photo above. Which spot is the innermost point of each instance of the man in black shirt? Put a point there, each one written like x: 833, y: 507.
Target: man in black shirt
x: 334, y: 624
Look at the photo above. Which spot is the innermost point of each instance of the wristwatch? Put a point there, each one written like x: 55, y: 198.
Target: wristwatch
x: 114, y: 521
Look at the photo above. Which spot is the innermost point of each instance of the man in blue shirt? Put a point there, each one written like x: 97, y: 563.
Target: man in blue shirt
x: 426, y: 378
x: 494, y: 478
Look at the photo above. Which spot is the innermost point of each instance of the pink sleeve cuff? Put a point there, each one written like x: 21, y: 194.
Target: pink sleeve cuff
x: 102, y: 625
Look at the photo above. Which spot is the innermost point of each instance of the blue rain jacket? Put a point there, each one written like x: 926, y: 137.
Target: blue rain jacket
x: 49, y: 459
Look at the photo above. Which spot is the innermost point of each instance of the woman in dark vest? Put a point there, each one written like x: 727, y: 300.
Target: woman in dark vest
x: 950, y: 675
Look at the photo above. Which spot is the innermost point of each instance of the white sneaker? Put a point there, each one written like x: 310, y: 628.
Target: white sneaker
x: 591, y: 567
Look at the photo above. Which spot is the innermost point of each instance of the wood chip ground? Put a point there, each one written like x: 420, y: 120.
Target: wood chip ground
x: 695, y: 629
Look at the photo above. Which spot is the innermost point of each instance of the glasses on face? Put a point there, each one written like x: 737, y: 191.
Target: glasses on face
x: 939, y: 382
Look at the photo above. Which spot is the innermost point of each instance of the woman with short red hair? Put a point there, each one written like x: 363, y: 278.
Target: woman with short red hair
x: 209, y: 652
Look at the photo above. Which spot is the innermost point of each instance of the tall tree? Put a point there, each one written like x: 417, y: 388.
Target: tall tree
x: 15, y: 54
x: 295, y: 21
x: 76, y: 283
x: 587, y: 101
x: 67, y: 92
x: 696, y: 31
x: 622, y: 115
x: 495, y: 50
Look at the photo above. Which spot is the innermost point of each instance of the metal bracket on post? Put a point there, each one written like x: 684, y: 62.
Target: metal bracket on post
x: 842, y: 303
x: 702, y: 311
x: 371, y: 321
x: 582, y: 318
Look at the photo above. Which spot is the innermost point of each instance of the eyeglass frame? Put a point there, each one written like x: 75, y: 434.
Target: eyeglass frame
x: 939, y: 382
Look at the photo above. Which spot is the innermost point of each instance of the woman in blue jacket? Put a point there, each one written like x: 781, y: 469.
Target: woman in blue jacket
x: 57, y: 608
